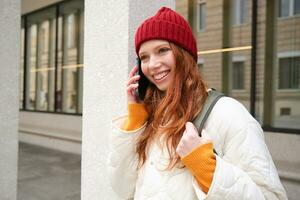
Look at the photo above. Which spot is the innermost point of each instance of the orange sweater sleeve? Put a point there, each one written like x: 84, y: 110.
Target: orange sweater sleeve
x: 137, y: 116
x: 202, y: 163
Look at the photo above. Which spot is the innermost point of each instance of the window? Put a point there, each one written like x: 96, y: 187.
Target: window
x: 200, y: 64
x: 289, y: 69
x: 284, y: 8
x: 70, y: 57
x: 202, y: 16
x: 238, y: 75
x: 31, y: 58
x: 296, y: 7
x: 40, y: 60
x: 71, y: 30
x: 54, y: 59
x: 239, y: 11
x: 285, y: 111
x: 289, y: 8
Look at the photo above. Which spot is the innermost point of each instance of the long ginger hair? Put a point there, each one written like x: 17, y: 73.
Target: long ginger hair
x: 170, y: 110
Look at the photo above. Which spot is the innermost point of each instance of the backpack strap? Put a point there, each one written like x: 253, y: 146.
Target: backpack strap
x: 213, y: 97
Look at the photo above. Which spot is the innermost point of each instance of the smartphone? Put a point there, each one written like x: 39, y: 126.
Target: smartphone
x: 143, y: 82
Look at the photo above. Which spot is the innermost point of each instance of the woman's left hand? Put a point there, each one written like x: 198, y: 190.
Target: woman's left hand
x: 190, y: 140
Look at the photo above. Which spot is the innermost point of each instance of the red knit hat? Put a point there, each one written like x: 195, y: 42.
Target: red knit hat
x: 166, y: 24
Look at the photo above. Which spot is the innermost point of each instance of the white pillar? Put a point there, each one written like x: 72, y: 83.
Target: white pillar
x: 10, y: 25
x: 108, y: 56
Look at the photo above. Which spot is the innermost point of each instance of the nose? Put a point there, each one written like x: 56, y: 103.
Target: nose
x: 154, y: 62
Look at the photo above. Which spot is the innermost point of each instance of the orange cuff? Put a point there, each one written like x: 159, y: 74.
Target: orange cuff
x: 137, y: 116
x: 202, y: 163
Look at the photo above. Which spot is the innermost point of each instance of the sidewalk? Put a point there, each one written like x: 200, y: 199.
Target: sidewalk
x: 46, y: 174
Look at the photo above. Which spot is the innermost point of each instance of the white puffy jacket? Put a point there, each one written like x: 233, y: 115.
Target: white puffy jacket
x: 244, y: 167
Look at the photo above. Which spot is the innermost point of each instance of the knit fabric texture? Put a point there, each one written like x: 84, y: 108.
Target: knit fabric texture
x: 137, y: 116
x: 168, y: 25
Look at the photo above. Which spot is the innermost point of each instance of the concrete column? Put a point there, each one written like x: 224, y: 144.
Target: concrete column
x: 10, y: 23
x: 108, y: 56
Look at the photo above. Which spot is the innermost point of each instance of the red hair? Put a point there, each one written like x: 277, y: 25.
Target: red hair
x: 170, y: 110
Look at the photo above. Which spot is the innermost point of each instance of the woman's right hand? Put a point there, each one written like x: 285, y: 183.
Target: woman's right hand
x: 132, y: 85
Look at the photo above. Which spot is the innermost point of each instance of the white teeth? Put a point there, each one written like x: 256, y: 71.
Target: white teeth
x: 160, y: 75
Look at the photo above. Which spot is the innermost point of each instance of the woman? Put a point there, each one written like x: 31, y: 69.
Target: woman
x: 157, y: 153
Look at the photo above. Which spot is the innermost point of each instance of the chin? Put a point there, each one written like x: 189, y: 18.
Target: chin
x: 162, y: 88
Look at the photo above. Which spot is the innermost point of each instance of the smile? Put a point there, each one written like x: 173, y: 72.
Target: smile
x: 161, y: 75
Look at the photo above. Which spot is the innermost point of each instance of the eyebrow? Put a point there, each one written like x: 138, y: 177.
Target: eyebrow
x: 157, y: 47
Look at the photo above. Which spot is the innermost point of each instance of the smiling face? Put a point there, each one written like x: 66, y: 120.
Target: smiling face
x: 158, y: 62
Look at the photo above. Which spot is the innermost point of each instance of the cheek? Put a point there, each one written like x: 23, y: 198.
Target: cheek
x: 145, y: 71
x: 173, y: 62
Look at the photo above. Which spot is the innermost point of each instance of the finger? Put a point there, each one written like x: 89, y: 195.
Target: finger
x: 133, y: 71
x: 191, y: 128
x: 133, y: 79
x: 132, y: 87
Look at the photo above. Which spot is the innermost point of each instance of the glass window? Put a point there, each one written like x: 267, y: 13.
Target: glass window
x: 54, y: 79
x: 31, y: 67
x: 71, y: 30
x: 202, y: 16
x: 289, y: 69
x: 244, y: 10
x: 238, y: 75
x: 200, y: 63
x: 296, y: 7
x: 289, y: 8
x: 284, y: 8
x: 239, y: 11
x: 70, y: 57
x: 200, y: 66
x: 40, y: 60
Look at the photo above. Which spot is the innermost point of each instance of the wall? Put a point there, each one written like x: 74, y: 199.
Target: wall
x: 9, y: 82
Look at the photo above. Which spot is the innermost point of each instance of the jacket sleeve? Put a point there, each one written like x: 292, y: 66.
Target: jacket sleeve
x: 122, y: 159
x: 245, y: 170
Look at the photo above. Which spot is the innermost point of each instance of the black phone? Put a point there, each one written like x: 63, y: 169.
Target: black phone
x: 143, y: 82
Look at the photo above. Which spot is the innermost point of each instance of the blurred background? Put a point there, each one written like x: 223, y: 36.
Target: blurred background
x: 248, y: 49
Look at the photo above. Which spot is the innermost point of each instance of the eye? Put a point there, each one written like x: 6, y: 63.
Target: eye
x: 143, y: 58
x: 163, y: 50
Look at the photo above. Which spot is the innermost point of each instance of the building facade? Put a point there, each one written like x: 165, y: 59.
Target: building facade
x: 250, y: 51
x: 229, y: 49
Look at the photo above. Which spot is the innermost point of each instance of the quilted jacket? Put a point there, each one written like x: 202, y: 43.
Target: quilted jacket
x: 244, y: 167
